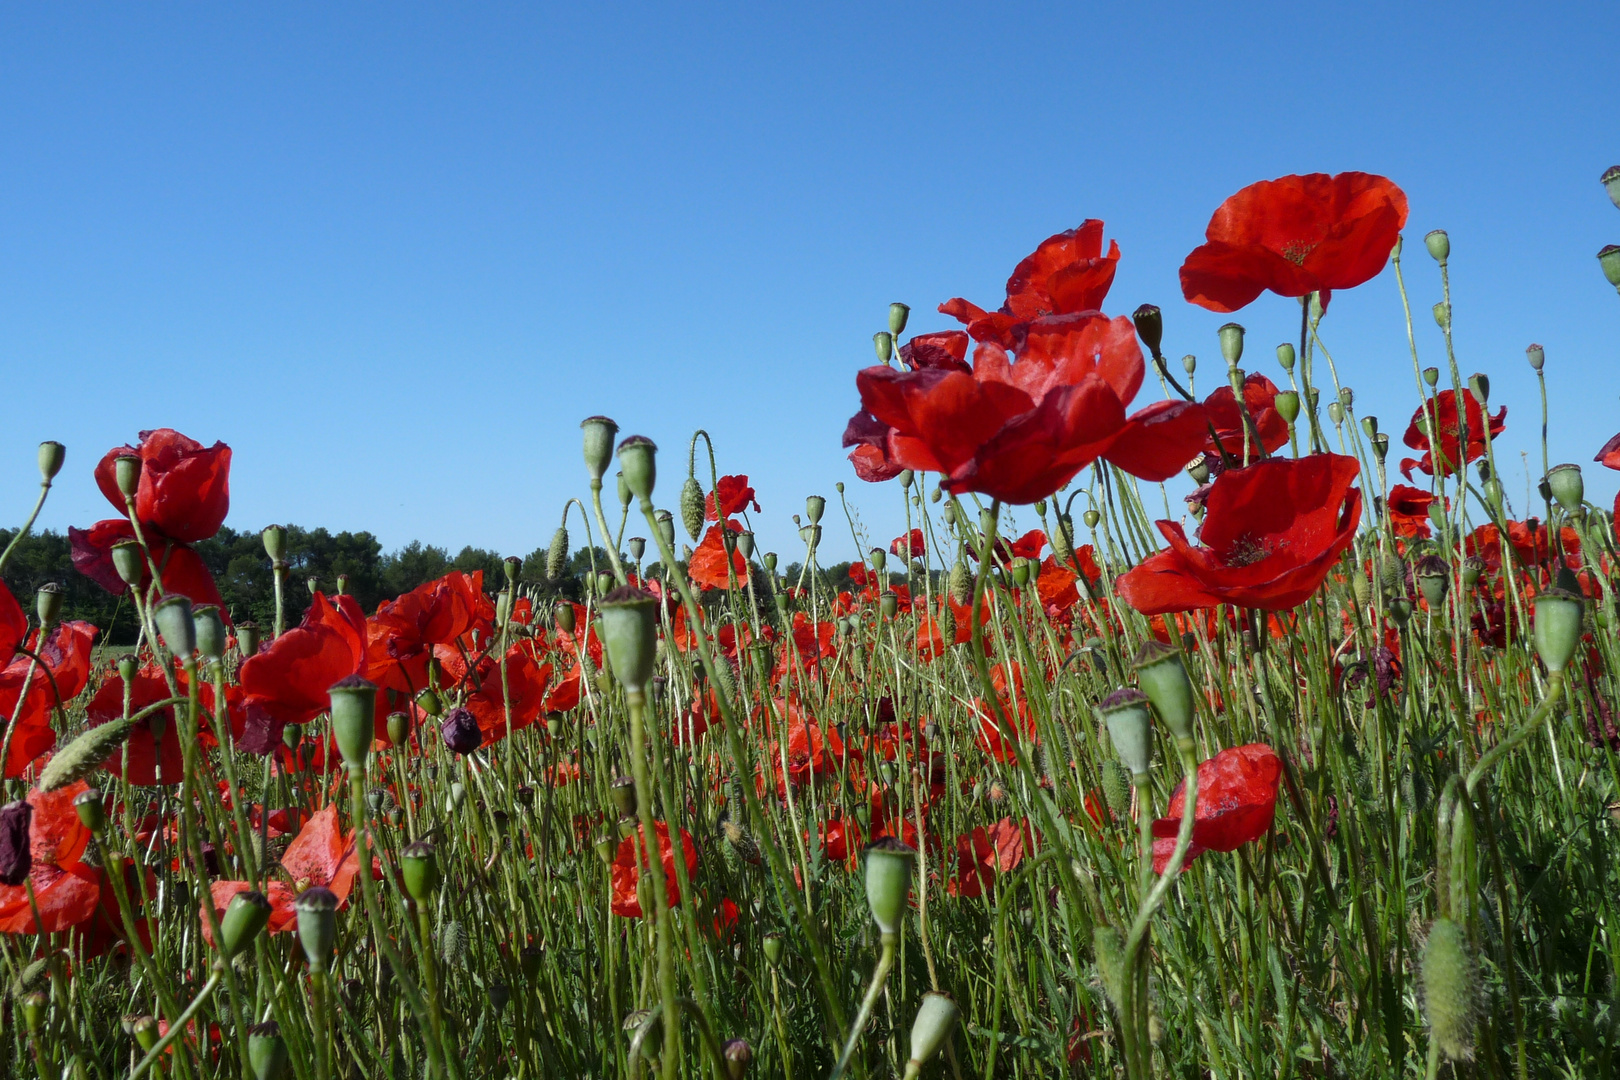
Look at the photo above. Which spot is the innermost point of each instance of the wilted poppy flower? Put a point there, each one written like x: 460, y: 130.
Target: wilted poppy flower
x: 1260, y: 396
x: 1237, y: 799
x: 1068, y: 273
x: 1295, y: 235
x: 1270, y: 535
x: 1441, y: 412
x: 525, y: 688
x: 632, y: 855
x: 1019, y: 431
x: 1408, y: 509
x: 733, y: 495
x: 287, y: 682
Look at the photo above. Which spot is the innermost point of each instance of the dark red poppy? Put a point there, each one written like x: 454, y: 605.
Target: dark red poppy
x: 1237, y: 799
x: 29, y: 691
x: 13, y: 625
x: 66, y: 890
x: 632, y: 855
x: 1068, y: 273
x: 287, y: 682
x: 1295, y: 235
x: 1260, y: 396
x: 734, y: 496
x: 1271, y: 533
x: 145, y: 753
x: 946, y: 349
x: 403, y: 632
x: 707, y: 566
x: 1443, y: 409
x: 1409, y: 510
x: 1609, y: 456
x: 1019, y: 431
x: 984, y: 854
x: 911, y: 545
x: 185, y: 488
x: 182, y: 569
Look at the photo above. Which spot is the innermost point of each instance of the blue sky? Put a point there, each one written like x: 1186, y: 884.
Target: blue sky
x: 393, y: 254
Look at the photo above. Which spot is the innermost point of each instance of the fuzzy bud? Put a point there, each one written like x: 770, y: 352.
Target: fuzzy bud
x: 1450, y: 990
x: 692, y: 508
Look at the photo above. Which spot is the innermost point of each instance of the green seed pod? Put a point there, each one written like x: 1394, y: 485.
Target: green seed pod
x: 267, y: 1051
x: 1400, y: 609
x: 51, y: 456
x: 745, y: 544
x: 1567, y: 486
x: 34, y: 1005
x: 34, y: 977
x: 1116, y: 786
x: 598, y: 439
x: 48, y: 604
x: 454, y: 944
x: 499, y: 995
x: 354, y: 708
x: 1335, y: 413
x: 419, y: 866
x: 1369, y: 426
x: 638, y: 548
x: 936, y: 1018
x: 1231, y: 343
x: 624, y: 492
x: 898, y: 314
x: 1380, y: 445
x: 638, y: 457
x: 1130, y: 727
x: 692, y: 508
x: 1163, y: 677
x: 247, y: 638
x: 92, y: 810
x: 1433, y: 579
x: 1473, y: 568
x: 814, y: 507
x: 1609, y: 262
x: 772, y: 946
x: 399, y: 728
x: 961, y: 581
x: 84, y: 755
x: 1091, y: 518
x: 1189, y: 363
x: 246, y: 915
x: 1287, y: 405
x: 883, y: 345
x: 630, y: 632
x: 145, y: 1030
x: 1431, y: 376
x: 1286, y: 357
x: 127, y: 474
x: 317, y: 925
x: 1450, y: 990
x: 1557, y: 627
x: 173, y: 618
x: 1536, y: 355
x: 889, y: 865
x: 652, y: 1044
x: 1108, y: 945
x: 1439, y: 245
x: 889, y: 603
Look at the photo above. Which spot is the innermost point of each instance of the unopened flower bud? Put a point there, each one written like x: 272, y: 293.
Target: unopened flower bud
x: 638, y: 457
x: 598, y: 434
x: 1439, y: 245
x: 461, y: 732
x: 51, y: 456
x: 1451, y: 986
x: 739, y: 1056
x: 772, y: 946
x: 246, y: 915
x: 1130, y: 727
x: 1091, y: 517
x: 889, y: 866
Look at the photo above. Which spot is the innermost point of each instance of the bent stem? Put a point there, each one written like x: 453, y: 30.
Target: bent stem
x: 880, y: 976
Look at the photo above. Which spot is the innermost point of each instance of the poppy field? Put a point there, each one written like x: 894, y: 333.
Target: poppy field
x: 1311, y: 773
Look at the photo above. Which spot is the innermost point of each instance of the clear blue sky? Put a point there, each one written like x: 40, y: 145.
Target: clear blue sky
x: 393, y: 254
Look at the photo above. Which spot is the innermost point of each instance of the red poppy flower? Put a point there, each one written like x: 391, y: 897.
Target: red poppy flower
x: 13, y: 625
x: 1057, y: 584
x: 145, y: 753
x: 1068, y: 273
x: 1019, y: 431
x: 983, y: 854
x: 813, y: 642
x: 1530, y: 542
x: 321, y: 854
x: 66, y: 890
x: 1237, y: 799
x: 1271, y: 533
x: 526, y: 683
x: 1014, y: 706
x: 1260, y: 395
x: 1295, y: 235
x: 1444, y: 411
x: 841, y: 842
x: 911, y: 545
x: 185, y: 488
x: 632, y: 855
x: 28, y: 691
x: 1609, y: 456
x: 1409, y: 510
x: 734, y: 496
x: 287, y: 682
x: 402, y: 633
x: 707, y: 566
x: 183, y: 570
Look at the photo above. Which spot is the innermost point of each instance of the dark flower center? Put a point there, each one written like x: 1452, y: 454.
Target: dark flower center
x: 1296, y: 250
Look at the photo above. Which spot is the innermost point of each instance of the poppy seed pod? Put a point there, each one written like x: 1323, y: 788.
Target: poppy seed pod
x: 1287, y: 406
x: 16, y: 857
x: 1286, y: 356
x: 1557, y: 629
x: 814, y: 507
x: 1189, y: 363
x: 936, y: 1018
x: 461, y: 732
x: 1380, y: 445
x: 1567, y: 486
x: 1536, y: 355
x: 889, y: 604
x: 354, y: 707
x: 770, y: 561
x: 127, y: 474
x: 622, y: 792
x: 1335, y: 413
x: 1091, y: 518
x: 1163, y: 677
x: 48, y: 604
x: 419, y: 866
x: 1439, y: 245
x: 898, y: 314
x: 129, y: 561
x: 51, y: 456
x: 399, y: 728
x: 1473, y: 568
x: 1609, y: 260
x: 638, y: 548
x: 598, y: 444
x: 1431, y: 375
x: 1369, y: 426
x: 772, y: 946
x: 210, y: 629
x: 638, y: 457
x: 291, y: 735
x: 564, y: 616
x: 880, y: 559
x: 317, y: 925
x: 173, y: 618
x: 1433, y: 578
x: 428, y: 700
x: 275, y: 543
x: 514, y: 569
x: 1149, y: 321
x: 883, y: 345
x: 739, y: 1055
x: 889, y: 865
x: 1611, y: 183
x: 1231, y: 343
x: 247, y: 638
x: 91, y: 809
x: 630, y: 633
x: 267, y: 1051
x: 1130, y: 727
x: 246, y: 915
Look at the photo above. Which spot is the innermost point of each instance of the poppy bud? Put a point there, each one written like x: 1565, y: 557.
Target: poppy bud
x: 461, y: 732
x: 51, y: 455
x: 1380, y: 445
x: 883, y: 345
x: 399, y: 728
x: 1335, y: 413
x: 145, y: 1030
x: 1439, y: 245
x: 317, y: 924
x: 814, y: 507
x: 1431, y: 375
x: 1286, y: 357
x: 48, y: 604
x: 898, y: 313
x: 127, y: 474
x: 1450, y: 982
x: 598, y: 444
x: 889, y: 604
x: 987, y: 521
x: 354, y: 707
x: 1116, y: 785
x: 16, y: 857
x: 246, y: 915
x: 419, y: 866
x: 1567, y: 486
x: 129, y: 561
x: 1062, y: 539
x: 564, y: 615
x: 936, y: 1017
x: 1091, y: 517
x: 739, y: 1056
x: 1287, y: 406
x: 692, y: 507
x: 275, y: 543
x: 907, y: 478
x: 174, y: 623
x: 210, y: 630
x: 1108, y: 945
x: 1609, y: 260
x: 1369, y: 426
x: 638, y: 457
x: 1189, y: 363
x: 773, y: 948
x: 1400, y: 609
x: 1149, y: 322
x: 630, y: 633
x: 1231, y: 343
x: 888, y: 882
x: 1433, y: 578
x: 1557, y: 628
x: 33, y: 1010
x: 1130, y: 727
x: 267, y: 1051
x: 638, y: 548
x: 1163, y: 677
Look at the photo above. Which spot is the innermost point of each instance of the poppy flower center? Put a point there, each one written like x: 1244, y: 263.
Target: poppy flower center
x: 1246, y: 551
x: 1296, y: 250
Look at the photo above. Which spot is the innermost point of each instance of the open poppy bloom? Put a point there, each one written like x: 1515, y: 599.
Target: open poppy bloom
x: 708, y: 563
x: 733, y: 495
x: 912, y: 545
x: 1068, y: 273
x: 1530, y: 540
x: 28, y: 691
x: 1260, y: 397
x: 287, y: 682
x: 66, y: 890
x: 1271, y: 533
x: 13, y: 625
x: 152, y: 761
x: 1018, y: 431
x: 321, y: 854
x: 1443, y: 410
x: 1237, y: 799
x: 985, y: 853
x: 1294, y: 236
x: 525, y: 687
x: 1408, y: 509
x: 631, y: 856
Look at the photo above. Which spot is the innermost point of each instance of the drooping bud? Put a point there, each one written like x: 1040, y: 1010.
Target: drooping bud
x: 889, y: 865
x: 174, y: 622
x: 354, y: 708
x: 317, y: 925
x: 692, y: 507
x: 246, y: 915
x: 51, y: 456
x: 461, y: 732
x: 1557, y: 629
x: 598, y: 439
x: 1439, y: 245
x: 1162, y: 675
x: 1116, y: 785
x: 638, y: 457
x: 1231, y: 343
x: 936, y: 1018
x: 1149, y: 322
x: 127, y: 474
x: 16, y: 857
x: 630, y: 633
x: 557, y: 554
x: 267, y: 1051
x: 883, y: 345
x: 1130, y: 727
x: 961, y: 581
x: 1450, y: 982
x: 898, y: 314
x: 1567, y: 486
x: 129, y: 561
